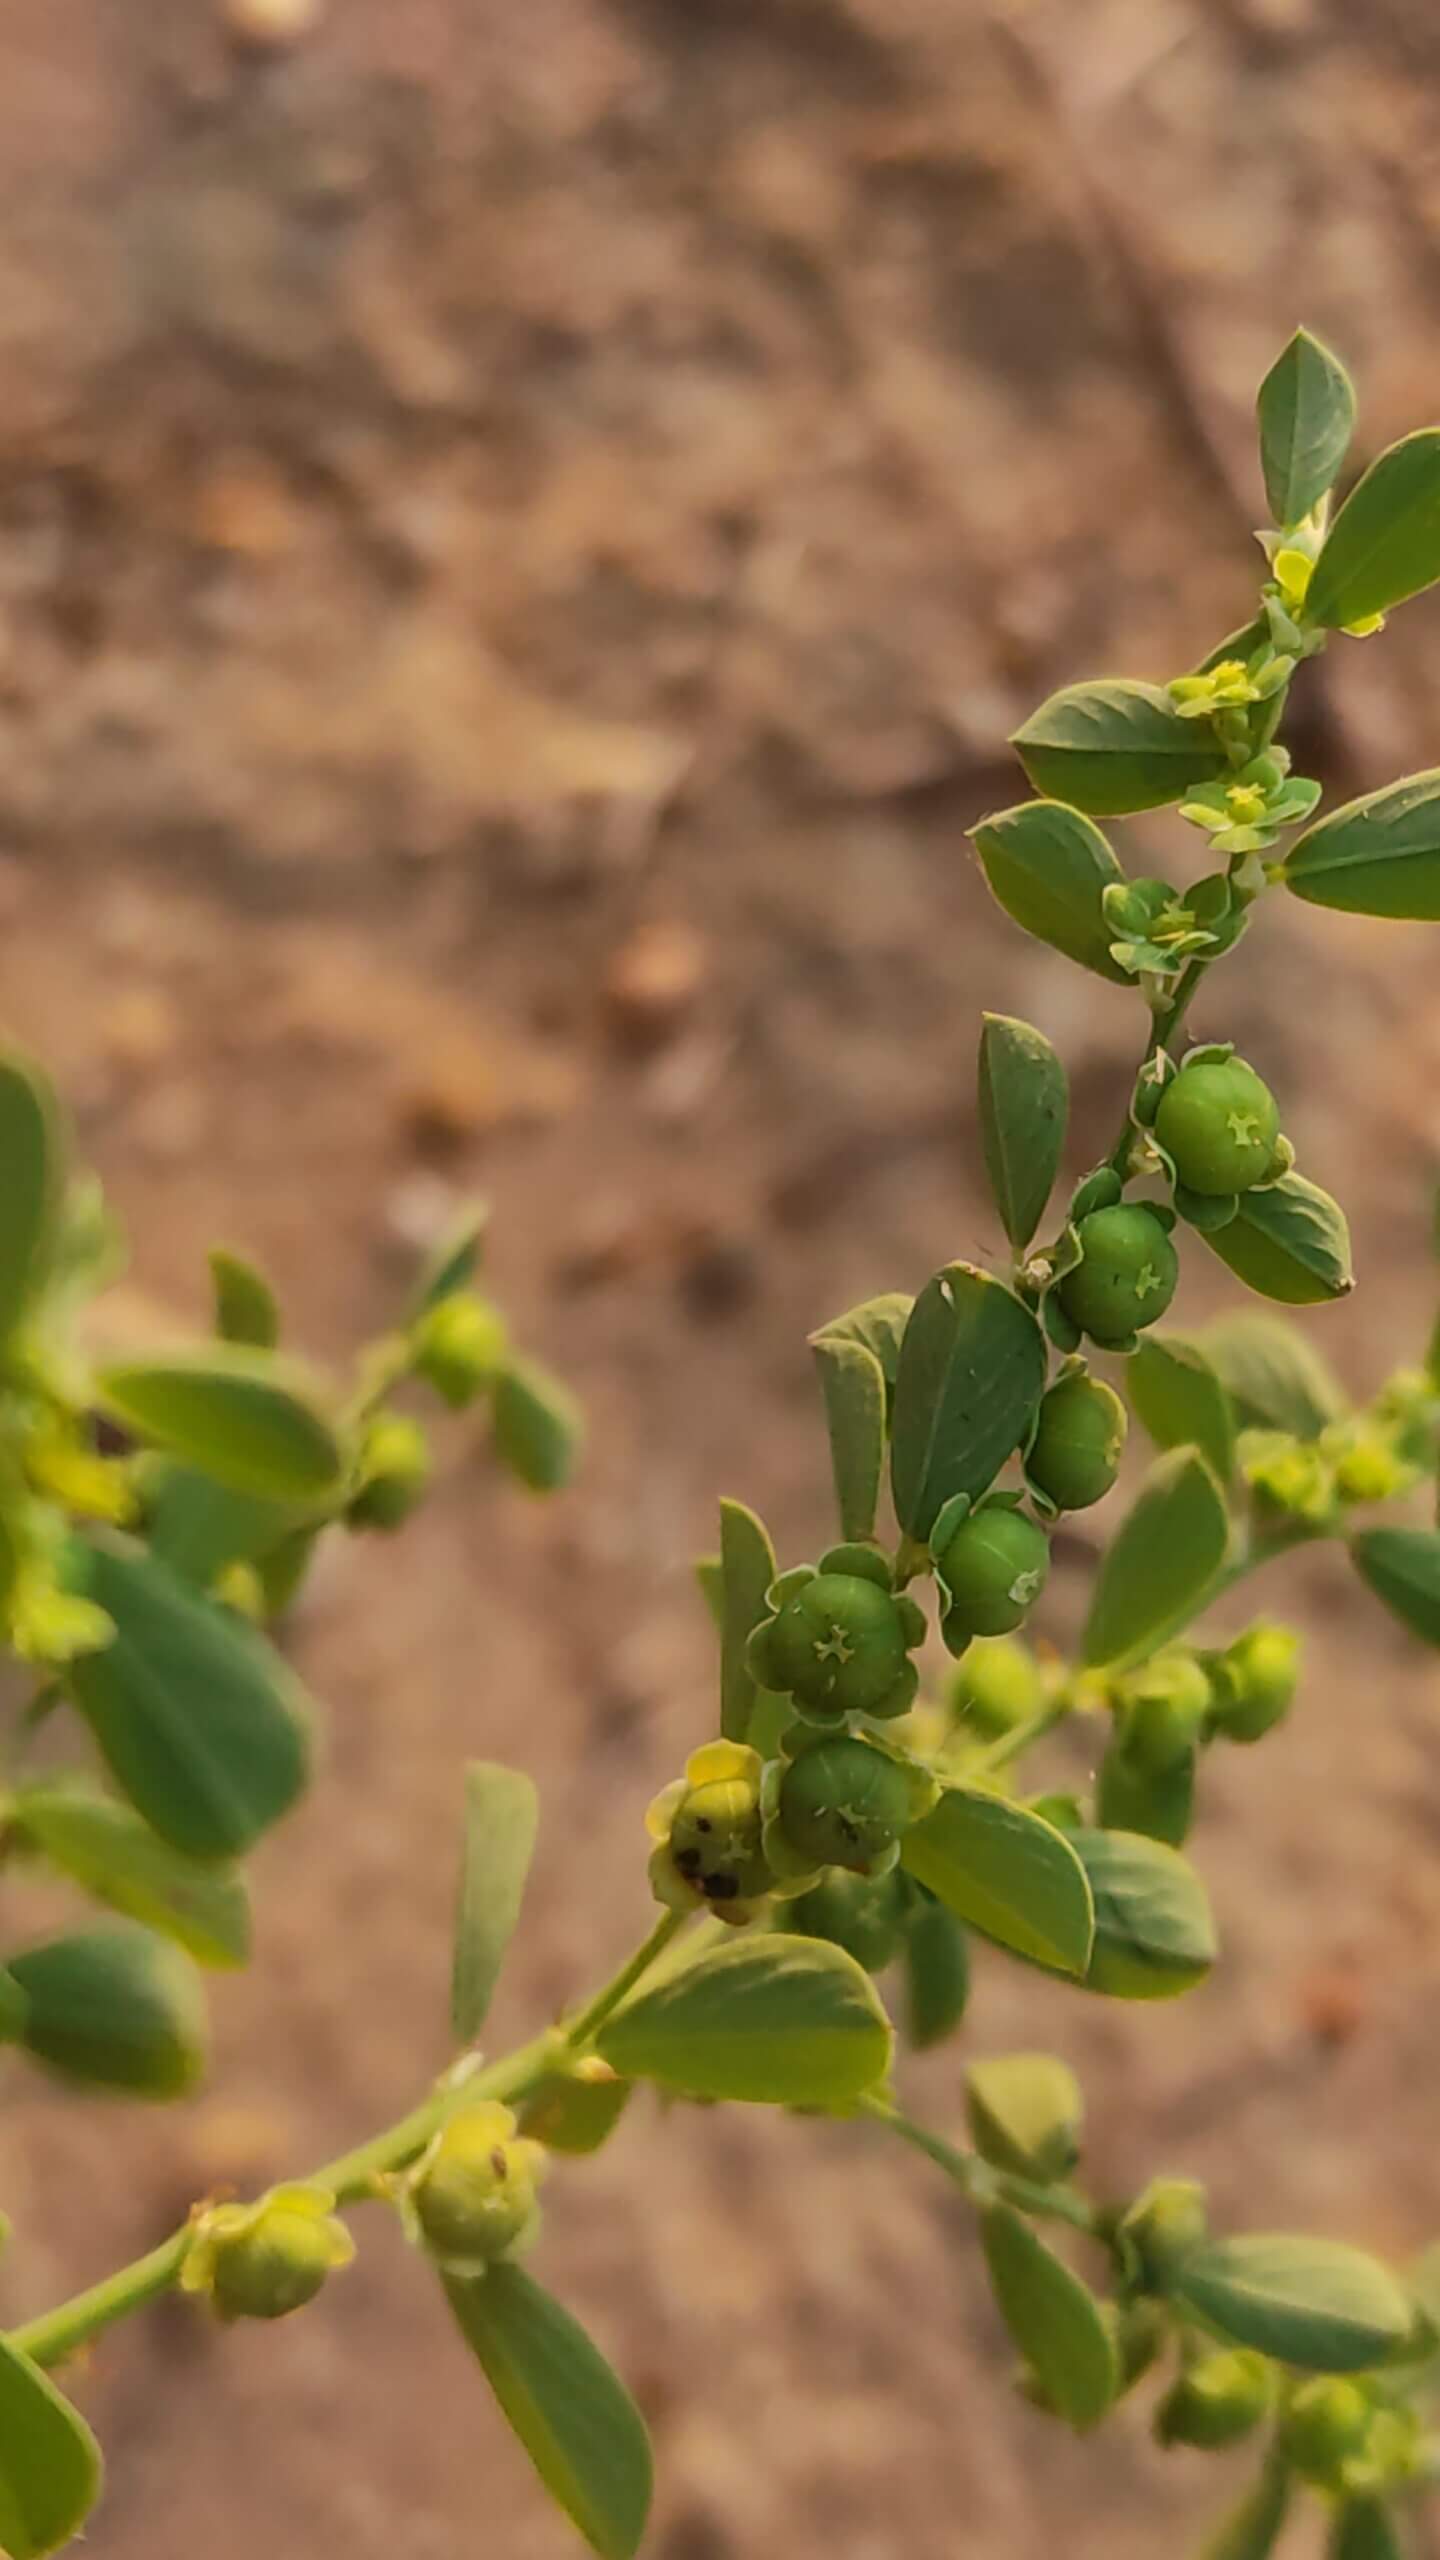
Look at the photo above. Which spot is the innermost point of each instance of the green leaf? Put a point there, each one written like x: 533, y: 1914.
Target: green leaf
x: 1115, y: 747
x: 455, y: 1261
x: 1154, y: 1934
x: 1048, y: 867
x: 539, y: 1430
x: 570, y: 2411
x: 878, y: 1323
x: 1006, y: 1873
x: 1289, y: 1242
x: 779, y: 2021
x: 199, y: 1526
x: 972, y: 1369
x: 116, y: 2009
x: 1306, y: 409
x: 245, y: 1309
x: 747, y: 1569
x: 502, y: 1814
x: 1363, y: 2529
x: 32, y: 1176
x: 1379, y: 856
x: 50, y: 2467
x: 1025, y: 2113
x: 573, y: 2114
x: 1274, y: 1378
x: 1384, y: 544
x: 116, y: 1857
x: 253, y: 1422
x: 1178, y: 1396
x: 1161, y: 1562
x: 853, y: 1385
x: 937, y: 1973
x: 201, y: 1724
x: 1054, y: 2319
x: 1024, y: 1104
x: 1318, y: 2304
x: 1251, y: 2530
x: 1402, y: 1568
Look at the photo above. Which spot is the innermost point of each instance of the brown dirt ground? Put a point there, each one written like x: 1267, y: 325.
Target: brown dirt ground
x: 475, y: 486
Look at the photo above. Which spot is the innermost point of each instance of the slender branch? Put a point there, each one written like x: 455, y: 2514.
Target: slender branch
x: 353, y: 2174
x: 981, y: 2183
x: 1163, y: 1028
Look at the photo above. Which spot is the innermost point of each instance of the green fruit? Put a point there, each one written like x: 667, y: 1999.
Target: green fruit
x: 996, y: 1687
x: 863, y: 1914
x: 1218, y: 1124
x: 1165, y: 1707
x: 838, y: 1647
x: 1079, y: 1441
x: 845, y: 1804
x: 262, y: 2261
x: 1128, y: 1275
x: 715, y: 1841
x: 1325, y: 2426
x: 1217, y: 2400
x: 1255, y: 1682
x: 473, y: 2193
x: 993, y: 1570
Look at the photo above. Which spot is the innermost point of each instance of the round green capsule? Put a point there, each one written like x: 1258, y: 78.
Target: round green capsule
x: 863, y: 1914
x: 1218, y: 1123
x: 838, y: 1647
x: 262, y: 2261
x: 845, y: 1804
x: 1127, y: 1277
x: 395, y: 1469
x: 1255, y: 1681
x: 994, y: 1570
x: 1217, y: 2400
x: 1079, y: 1442
x: 1325, y: 2426
x: 472, y: 2193
x: 1164, y: 1710
x: 715, y: 1841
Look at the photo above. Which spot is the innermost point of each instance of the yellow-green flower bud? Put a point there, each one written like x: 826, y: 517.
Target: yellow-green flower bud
x: 1163, y: 2227
x: 262, y: 2261
x: 1325, y: 2428
x: 459, y: 1348
x: 394, y: 1471
x: 1217, y: 2400
x: 470, y: 2197
x: 1255, y: 1681
x: 996, y: 1686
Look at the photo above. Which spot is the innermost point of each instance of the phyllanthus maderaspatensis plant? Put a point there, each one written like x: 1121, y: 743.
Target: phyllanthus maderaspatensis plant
x: 155, y: 1513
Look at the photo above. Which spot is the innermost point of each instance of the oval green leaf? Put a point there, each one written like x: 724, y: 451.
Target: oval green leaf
x: 539, y: 1431
x: 1025, y: 2113
x: 972, y: 1370
x: 1114, y: 747
x: 50, y: 2469
x: 1047, y: 866
x: 1384, y: 544
x: 1274, y: 1378
x: 1306, y: 412
x: 108, y: 1850
x: 1161, y: 1562
x: 502, y: 1814
x: 254, y: 1423
x: 32, y: 1166
x: 1289, y: 1242
x: 1154, y: 1933
x: 937, y: 1973
x: 455, y: 1261
x: 1402, y: 1568
x: 1005, y: 1872
x: 1024, y: 1105
x: 853, y: 1385
x: 1054, y: 2319
x: 1318, y: 2304
x: 568, y: 2408
x: 878, y: 1323
x: 245, y: 1309
x: 199, y: 1526
x: 199, y: 1722
x: 1379, y: 856
x: 573, y: 2114
x: 1177, y: 1395
x: 778, y: 2021
x: 747, y: 1569
x: 114, y: 2009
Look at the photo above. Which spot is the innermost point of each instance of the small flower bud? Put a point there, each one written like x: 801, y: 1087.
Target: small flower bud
x: 1162, y: 2228
x: 394, y: 1471
x: 1217, y: 2400
x: 261, y: 2261
x: 1255, y: 1681
x: 1325, y: 2428
x: 1164, y: 1707
x: 470, y: 2197
x: 996, y: 1686
x: 459, y: 1346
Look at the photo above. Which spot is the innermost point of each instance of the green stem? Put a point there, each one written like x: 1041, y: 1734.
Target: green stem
x: 1162, y: 1031
x: 1009, y: 1746
x: 353, y: 2174
x: 978, y: 2181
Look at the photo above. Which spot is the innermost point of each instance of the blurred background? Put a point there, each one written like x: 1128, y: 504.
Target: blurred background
x: 522, y: 534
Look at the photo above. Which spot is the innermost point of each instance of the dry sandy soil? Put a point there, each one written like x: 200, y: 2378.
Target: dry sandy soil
x: 480, y: 488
